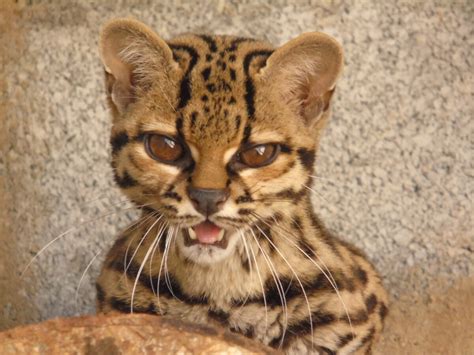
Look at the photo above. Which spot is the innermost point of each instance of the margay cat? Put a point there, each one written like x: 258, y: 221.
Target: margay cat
x: 214, y: 138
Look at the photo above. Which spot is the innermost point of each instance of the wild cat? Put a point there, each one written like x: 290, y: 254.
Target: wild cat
x: 214, y: 139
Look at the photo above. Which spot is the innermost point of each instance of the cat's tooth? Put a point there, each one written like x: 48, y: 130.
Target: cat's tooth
x: 192, y: 233
x: 221, y: 235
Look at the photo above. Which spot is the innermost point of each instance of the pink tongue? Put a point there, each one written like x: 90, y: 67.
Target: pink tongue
x: 207, y: 232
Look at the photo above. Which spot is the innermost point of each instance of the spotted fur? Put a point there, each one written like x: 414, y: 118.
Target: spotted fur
x: 283, y: 279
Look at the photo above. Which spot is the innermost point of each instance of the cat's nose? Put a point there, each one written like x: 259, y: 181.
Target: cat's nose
x: 208, y: 201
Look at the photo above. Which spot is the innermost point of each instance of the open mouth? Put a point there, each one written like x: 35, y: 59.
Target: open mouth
x: 206, y: 234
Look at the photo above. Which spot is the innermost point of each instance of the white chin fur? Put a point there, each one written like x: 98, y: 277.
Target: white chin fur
x: 206, y: 255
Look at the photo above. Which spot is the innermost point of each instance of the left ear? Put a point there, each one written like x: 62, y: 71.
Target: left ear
x: 304, y: 72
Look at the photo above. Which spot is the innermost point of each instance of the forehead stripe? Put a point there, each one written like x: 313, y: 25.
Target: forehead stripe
x: 185, y: 86
x: 249, y: 87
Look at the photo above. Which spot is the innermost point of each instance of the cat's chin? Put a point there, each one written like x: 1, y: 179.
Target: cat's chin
x: 206, y: 253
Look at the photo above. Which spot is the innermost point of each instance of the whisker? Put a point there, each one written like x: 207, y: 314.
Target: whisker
x: 260, y: 279
x: 297, y: 278
x: 139, y: 245
x: 150, y: 249
x: 329, y: 277
x: 278, y: 284
x: 67, y: 232
x: 83, y: 275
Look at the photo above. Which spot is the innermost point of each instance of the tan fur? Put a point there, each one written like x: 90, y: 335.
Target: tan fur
x: 219, y: 94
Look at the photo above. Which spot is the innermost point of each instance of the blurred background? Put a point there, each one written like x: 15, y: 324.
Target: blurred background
x: 396, y: 163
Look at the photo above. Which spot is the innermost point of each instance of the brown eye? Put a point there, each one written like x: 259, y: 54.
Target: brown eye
x: 260, y: 155
x: 163, y: 148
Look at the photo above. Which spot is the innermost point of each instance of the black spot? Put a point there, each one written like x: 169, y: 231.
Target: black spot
x: 193, y: 119
x: 307, y: 158
x: 206, y: 73
x: 125, y: 181
x: 221, y: 54
x: 370, y: 303
x: 204, y: 98
x: 233, y: 76
x: 172, y: 195
x: 210, y: 42
x: 232, y: 101
x: 185, y: 87
x: 118, y: 142
x: 226, y: 112
x: 244, y: 211
x: 244, y: 198
x: 208, y: 57
x: 232, y: 58
x: 383, y: 311
x: 219, y: 316
x: 361, y: 275
x: 211, y: 88
x: 206, y: 109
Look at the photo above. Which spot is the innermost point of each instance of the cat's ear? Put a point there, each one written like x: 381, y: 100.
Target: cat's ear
x: 134, y: 58
x: 304, y: 72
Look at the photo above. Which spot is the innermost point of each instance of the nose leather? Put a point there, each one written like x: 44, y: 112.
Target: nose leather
x: 208, y: 201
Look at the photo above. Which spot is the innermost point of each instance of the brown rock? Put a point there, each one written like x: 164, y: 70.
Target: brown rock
x: 124, y: 334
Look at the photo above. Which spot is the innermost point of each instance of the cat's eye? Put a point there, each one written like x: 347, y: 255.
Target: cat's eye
x: 259, y: 155
x: 163, y: 148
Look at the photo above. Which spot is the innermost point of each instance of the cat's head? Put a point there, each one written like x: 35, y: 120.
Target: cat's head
x: 216, y: 133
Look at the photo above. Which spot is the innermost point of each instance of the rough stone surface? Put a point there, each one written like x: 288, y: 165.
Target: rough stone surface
x: 129, y: 334
x: 395, y: 170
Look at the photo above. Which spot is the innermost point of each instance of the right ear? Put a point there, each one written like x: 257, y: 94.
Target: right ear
x: 134, y: 58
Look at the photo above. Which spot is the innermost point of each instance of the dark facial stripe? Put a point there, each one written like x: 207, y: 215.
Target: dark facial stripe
x: 307, y: 158
x: 118, y: 141
x: 125, y: 181
x: 249, y: 86
x: 185, y: 86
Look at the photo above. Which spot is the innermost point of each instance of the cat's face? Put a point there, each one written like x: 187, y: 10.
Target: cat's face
x: 215, y: 134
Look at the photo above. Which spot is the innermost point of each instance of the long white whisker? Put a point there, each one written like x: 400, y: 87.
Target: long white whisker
x: 329, y: 277
x: 83, y: 275
x: 141, y: 242
x: 66, y: 233
x: 260, y: 279
x: 150, y: 249
x: 159, y: 236
x: 278, y: 284
x: 297, y: 278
